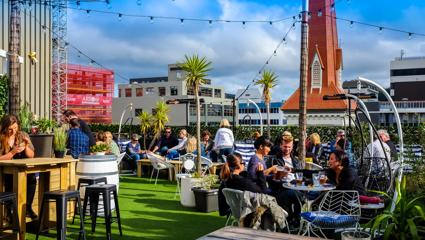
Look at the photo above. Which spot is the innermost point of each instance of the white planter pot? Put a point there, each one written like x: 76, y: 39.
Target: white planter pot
x: 187, y: 198
x: 99, y: 153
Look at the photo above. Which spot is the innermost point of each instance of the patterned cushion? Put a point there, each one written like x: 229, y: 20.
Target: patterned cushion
x: 328, y: 219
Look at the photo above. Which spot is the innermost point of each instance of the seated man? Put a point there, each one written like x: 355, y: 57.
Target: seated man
x: 134, y: 151
x: 166, y: 142
x: 78, y: 142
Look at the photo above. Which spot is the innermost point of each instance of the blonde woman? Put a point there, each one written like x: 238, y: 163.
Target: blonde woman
x: 223, y: 141
x: 314, y: 146
x: 191, y: 146
x: 113, y: 146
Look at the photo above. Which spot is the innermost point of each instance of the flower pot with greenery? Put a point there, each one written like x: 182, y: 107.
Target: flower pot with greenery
x: 59, y: 141
x: 206, y: 197
x: 99, y: 149
x: 42, y: 138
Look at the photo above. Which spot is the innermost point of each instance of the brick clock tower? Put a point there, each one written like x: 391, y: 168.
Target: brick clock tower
x: 324, y: 70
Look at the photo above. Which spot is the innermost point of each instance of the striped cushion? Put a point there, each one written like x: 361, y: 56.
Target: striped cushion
x: 328, y: 219
x: 245, y: 150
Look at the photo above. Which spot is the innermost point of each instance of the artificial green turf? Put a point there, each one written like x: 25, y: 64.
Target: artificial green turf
x: 150, y: 211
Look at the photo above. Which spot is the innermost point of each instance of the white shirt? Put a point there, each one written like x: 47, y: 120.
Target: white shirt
x: 223, y: 138
x: 180, y: 145
x: 377, y: 150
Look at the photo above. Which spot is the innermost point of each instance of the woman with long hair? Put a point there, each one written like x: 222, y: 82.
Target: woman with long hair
x: 341, y: 174
x: 314, y: 146
x: 113, y: 146
x: 15, y: 144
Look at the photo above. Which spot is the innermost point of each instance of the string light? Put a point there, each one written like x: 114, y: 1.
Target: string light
x: 139, y: 2
x: 380, y: 30
x: 151, y: 19
x: 78, y: 5
x: 319, y: 13
x: 351, y: 24
x: 243, y: 24
x: 108, y: 4
x: 119, y: 17
x: 210, y: 23
x: 333, y: 7
x: 88, y: 12
x: 410, y: 35
x: 182, y: 21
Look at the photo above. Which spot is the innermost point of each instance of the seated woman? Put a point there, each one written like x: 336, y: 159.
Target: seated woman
x: 191, y: 146
x: 178, y: 150
x: 15, y: 144
x: 207, y: 143
x: 134, y: 151
x: 341, y: 174
x: 113, y: 146
x: 262, y: 148
x: 234, y: 176
x: 314, y: 147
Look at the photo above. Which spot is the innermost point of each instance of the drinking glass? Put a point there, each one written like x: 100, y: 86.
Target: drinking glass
x: 322, y: 178
x: 316, y: 181
x: 299, y: 177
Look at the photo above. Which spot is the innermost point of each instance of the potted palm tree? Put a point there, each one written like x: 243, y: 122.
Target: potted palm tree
x: 267, y: 82
x: 59, y: 141
x: 196, y: 71
x: 160, y: 119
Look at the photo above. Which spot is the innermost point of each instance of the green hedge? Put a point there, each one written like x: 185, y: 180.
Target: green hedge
x: 412, y: 134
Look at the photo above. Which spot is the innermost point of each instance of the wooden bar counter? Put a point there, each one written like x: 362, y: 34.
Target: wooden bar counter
x: 55, y: 174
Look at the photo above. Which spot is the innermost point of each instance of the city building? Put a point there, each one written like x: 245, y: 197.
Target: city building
x: 324, y: 71
x: 89, y: 93
x: 144, y: 93
x: 249, y: 115
x: 35, y: 53
x: 407, y: 79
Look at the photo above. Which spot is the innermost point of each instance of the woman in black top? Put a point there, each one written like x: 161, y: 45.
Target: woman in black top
x: 341, y: 174
x: 234, y: 175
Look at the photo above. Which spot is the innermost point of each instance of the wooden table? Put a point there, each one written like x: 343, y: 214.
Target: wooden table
x: 177, y: 167
x: 249, y: 233
x: 56, y: 174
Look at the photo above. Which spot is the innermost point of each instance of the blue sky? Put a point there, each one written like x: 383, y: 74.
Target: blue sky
x: 134, y: 47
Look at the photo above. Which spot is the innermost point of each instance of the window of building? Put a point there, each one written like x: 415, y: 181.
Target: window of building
x: 407, y: 72
x: 316, y: 73
x: 119, y: 92
x: 274, y: 110
x: 214, y: 110
x: 263, y: 110
x: 192, y: 110
x: 206, y: 92
x: 128, y: 92
x: 228, y: 110
x: 217, y: 93
x: 150, y: 91
x: 173, y: 91
x: 139, y: 92
x: 179, y: 75
x: 190, y: 91
x: 161, y: 91
x: 138, y: 111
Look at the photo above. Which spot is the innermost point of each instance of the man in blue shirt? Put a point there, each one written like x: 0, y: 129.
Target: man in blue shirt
x: 78, y: 142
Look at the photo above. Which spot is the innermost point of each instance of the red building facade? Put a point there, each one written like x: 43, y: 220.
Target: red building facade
x: 89, y: 93
x: 324, y: 61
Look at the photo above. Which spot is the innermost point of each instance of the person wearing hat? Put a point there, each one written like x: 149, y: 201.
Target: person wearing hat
x: 134, y: 150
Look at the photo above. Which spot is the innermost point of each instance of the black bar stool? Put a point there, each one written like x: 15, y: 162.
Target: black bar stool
x: 61, y: 198
x: 9, y: 200
x: 87, y: 181
x: 92, y: 194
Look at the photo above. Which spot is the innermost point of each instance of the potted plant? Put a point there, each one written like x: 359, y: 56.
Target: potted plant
x: 99, y: 149
x: 59, y: 141
x: 406, y: 220
x: 42, y: 137
x: 206, y: 198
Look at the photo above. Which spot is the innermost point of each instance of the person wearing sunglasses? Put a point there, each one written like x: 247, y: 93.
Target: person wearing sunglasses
x: 166, y: 142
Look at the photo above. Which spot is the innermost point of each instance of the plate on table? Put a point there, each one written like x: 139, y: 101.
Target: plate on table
x: 327, y: 185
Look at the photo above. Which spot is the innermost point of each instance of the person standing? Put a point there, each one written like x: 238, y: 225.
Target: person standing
x: 223, y: 141
x: 78, y: 142
x: 69, y: 114
x: 15, y: 144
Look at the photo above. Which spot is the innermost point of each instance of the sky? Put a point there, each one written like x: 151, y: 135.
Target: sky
x: 137, y: 47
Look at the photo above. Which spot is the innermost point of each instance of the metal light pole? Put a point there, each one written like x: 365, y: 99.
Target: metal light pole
x: 302, y: 120
x: 129, y: 107
x: 261, y: 116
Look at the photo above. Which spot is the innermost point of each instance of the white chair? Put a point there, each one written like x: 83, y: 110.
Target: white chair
x: 188, y: 164
x: 338, y: 209
x: 158, y: 164
x: 120, y: 158
x: 233, y: 198
x: 206, y: 163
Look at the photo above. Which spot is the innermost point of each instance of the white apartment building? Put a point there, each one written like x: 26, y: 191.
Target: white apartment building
x: 144, y: 93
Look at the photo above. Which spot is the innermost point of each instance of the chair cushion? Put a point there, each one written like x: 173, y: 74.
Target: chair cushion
x: 369, y: 200
x: 328, y: 219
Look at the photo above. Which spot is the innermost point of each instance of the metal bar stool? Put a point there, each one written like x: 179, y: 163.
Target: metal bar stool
x: 87, y: 181
x: 9, y: 200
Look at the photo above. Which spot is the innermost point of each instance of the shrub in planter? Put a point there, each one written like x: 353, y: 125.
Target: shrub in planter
x: 206, y: 199
x: 59, y: 141
x: 99, y: 149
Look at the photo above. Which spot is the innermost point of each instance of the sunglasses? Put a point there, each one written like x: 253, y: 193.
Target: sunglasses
x: 167, y: 132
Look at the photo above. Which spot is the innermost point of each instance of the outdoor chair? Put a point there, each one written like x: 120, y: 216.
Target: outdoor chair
x: 188, y: 164
x: 119, y: 160
x: 158, y: 164
x: 205, y: 164
x: 377, y: 174
x: 233, y: 198
x: 338, y: 209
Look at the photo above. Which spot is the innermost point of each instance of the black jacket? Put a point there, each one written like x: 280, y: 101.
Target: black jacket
x: 243, y: 183
x: 348, y: 180
x: 86, y: 130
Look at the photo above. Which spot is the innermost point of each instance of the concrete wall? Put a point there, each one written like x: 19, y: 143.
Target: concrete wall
x: 35, y: 87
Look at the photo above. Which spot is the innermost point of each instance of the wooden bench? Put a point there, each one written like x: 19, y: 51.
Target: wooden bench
x: 177, y: 167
